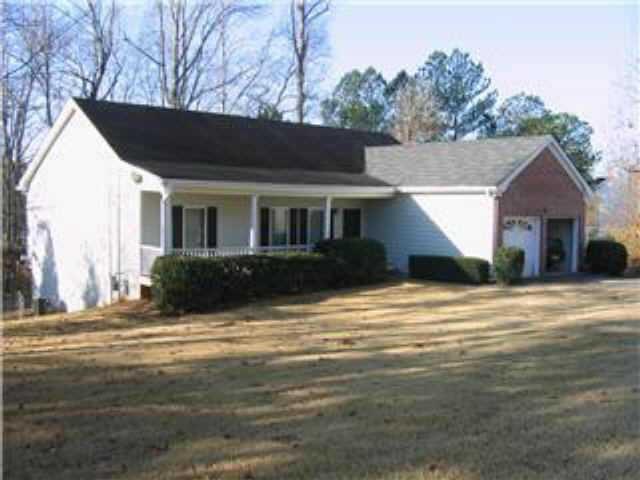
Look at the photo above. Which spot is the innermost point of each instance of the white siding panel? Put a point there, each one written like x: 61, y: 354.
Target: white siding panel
x: 432, y: 224
x: 68, y: 234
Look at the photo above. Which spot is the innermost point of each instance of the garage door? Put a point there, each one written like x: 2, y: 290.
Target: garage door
x: 524, y: 233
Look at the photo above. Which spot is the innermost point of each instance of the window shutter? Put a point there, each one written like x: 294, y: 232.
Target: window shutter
x: 264, y: 227
x: 212, y: 227
x: 293, y: 226
x: 176, y: 217
x: 334, y: 212
x: 304, y: 214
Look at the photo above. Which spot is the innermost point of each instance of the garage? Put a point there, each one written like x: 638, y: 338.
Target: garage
x: 542, y: 212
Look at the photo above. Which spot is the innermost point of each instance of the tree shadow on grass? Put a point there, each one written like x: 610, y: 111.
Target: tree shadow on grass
x: 562, y: 402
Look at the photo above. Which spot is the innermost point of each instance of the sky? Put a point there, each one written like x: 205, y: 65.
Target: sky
x: 573, y: 56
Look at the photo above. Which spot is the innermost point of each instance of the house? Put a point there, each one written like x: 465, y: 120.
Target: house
x: 114, y: 186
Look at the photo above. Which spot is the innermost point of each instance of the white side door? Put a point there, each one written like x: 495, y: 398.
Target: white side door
x: 524, y: 233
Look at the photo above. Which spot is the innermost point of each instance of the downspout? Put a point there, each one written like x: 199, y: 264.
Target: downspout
x: 495, y: 193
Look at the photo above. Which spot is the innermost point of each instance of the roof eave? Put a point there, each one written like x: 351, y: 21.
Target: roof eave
x: 288, y: 189
x: 52, y: 135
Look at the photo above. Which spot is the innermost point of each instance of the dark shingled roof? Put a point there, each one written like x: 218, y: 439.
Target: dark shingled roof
x: 482, y: 163
x: 206, y: 146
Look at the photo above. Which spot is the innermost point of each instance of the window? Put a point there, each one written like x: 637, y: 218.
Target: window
x: 316, y: 230
x: 281, y: 226
x: 194, y: 227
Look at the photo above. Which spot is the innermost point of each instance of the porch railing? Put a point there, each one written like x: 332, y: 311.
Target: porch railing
x: 233, y: 251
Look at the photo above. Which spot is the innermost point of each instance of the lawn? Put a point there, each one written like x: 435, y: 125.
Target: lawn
x: 403, y: 381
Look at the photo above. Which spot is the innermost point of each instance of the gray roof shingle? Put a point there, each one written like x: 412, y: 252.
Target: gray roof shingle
x: 482, y: 163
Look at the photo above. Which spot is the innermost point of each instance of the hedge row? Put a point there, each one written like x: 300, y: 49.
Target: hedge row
x: 606, y: 256
x: 367, y: 259
x: 201, y: 284
x: 449, y: 269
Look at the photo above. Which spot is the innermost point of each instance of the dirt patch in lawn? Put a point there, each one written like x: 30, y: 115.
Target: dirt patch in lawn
x: 403, y: 381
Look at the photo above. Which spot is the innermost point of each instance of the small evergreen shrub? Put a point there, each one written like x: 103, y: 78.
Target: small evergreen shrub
x: 508, y: 264
x: 606, y: 256
x: 363, y: 260
x: 449, y: 269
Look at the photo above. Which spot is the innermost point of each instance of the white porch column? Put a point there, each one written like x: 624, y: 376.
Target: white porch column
x: 253, y: 223
x: 166, y: 223
x: 327, y: 218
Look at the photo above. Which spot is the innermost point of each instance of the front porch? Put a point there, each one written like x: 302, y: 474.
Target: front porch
x: 208, y: 222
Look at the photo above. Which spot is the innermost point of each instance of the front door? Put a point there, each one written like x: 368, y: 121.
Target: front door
x: 524, y: 233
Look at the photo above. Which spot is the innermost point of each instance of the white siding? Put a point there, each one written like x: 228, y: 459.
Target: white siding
x: 68, y: 234
x: 432, y: 224
x: 83, y: 211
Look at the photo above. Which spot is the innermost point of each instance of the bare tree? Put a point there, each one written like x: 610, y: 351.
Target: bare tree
x: 621, y: 202
x: 415, y: 113
x: 46, y: 39
x: 26, y: 38
x: 186, y: 49
x: 243, y: 59
x: 308, y: 39
x: 95, y: 59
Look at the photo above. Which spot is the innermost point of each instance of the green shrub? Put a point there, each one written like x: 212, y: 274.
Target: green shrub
x: 508, y: 264
x: 606, y: 256
x: 188, y: 283
x: 363, y: 260
x: 449, y: 269
x: 202, y: 284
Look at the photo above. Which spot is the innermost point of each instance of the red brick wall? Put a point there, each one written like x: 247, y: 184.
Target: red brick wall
x: 545, y: 190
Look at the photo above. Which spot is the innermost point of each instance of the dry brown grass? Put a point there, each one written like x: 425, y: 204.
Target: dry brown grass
x: 406, y: 381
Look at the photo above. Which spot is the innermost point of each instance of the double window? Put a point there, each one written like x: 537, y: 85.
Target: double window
x: 302, y: 226
x: 283, y: 226
x: 195, y: 227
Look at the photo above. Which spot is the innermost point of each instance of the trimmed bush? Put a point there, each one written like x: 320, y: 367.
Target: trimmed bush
x: 363, y: 260
x: 508, y: 264
x: 606, y: 256
x: 202, y: 284
x: 449, y: 269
